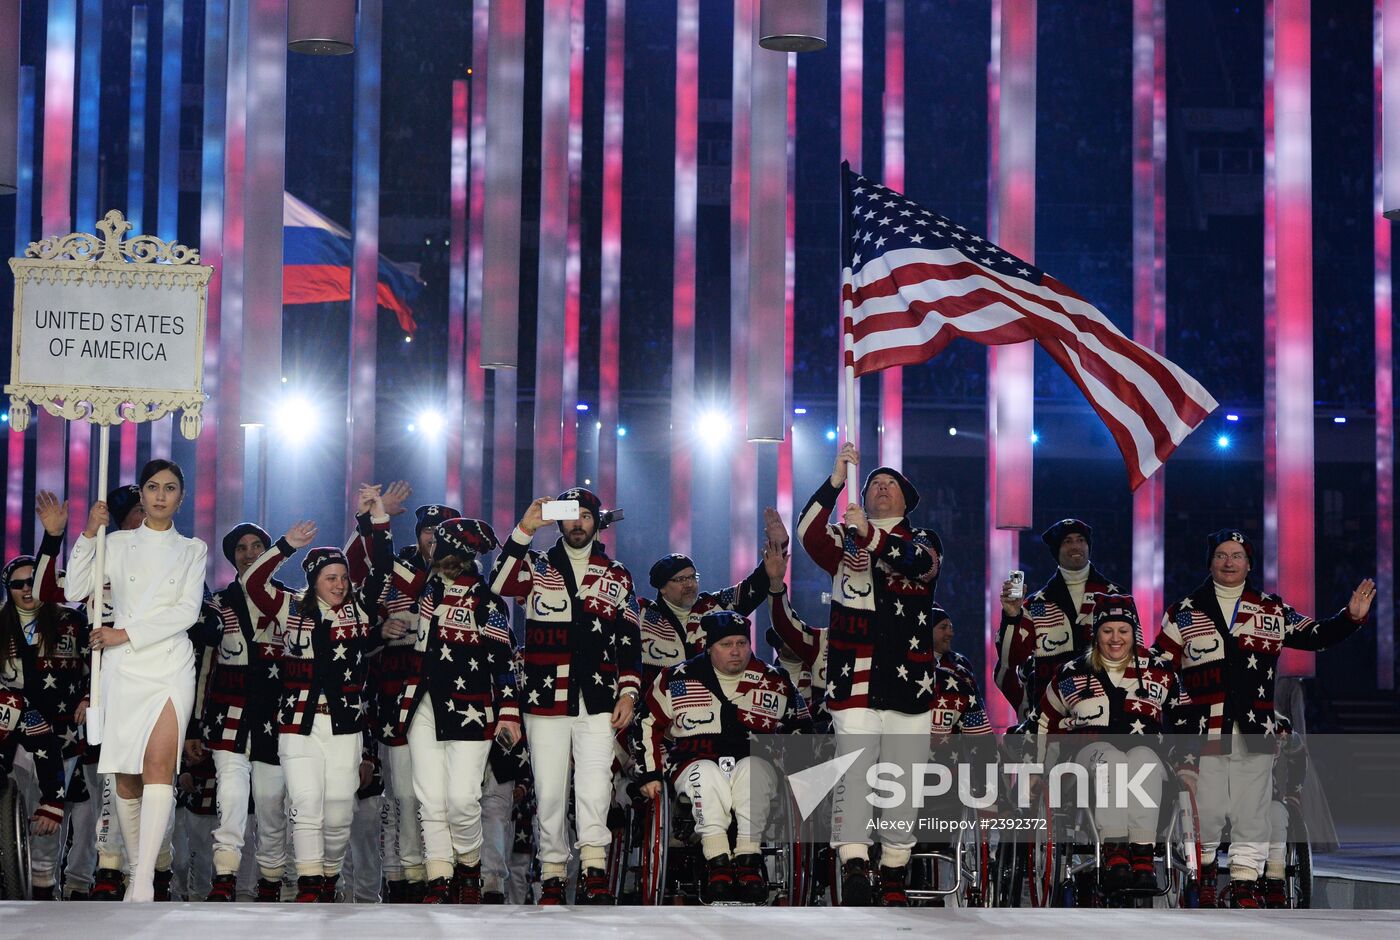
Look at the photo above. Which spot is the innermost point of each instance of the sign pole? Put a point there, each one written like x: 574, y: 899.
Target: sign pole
x: 97, y: 599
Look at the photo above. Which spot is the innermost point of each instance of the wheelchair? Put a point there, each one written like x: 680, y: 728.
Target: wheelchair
x: 14, y: 842
x: 656, y: 858
x: 1062, y: 865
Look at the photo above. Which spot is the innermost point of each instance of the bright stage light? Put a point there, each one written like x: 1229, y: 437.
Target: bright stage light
x: 1035, y: 437
x: 621, y: 431
x: 831, y: 435
x: 952, y: 432
x: 297, y: 416
x: 1232, y: 417
x: 1339, y: 420
x: 799, y: 411
x: 430, y: 422
x: 581, y: 406
x: 1223, y: 441
x: 713, y: 426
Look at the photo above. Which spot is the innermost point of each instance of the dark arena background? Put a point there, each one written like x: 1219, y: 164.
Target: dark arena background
x: 501, y: 248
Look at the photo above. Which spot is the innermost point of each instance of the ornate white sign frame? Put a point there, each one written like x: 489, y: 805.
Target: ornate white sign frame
x: 142, y: 261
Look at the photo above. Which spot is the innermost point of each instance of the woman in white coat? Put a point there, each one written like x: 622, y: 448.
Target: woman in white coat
x: 148, y: 665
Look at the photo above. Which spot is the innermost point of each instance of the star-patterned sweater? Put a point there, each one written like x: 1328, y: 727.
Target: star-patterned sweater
x: 241, y: 677
x: 1229, y: 669
x: 398, y: 661
x: 880, y: 638
x: 668, y: 642
x: 689, y: 717
x: 582, y: 640
x: 22, y: 723
x: 1148, y: 700
x: 1049, y: 633
x: 467, y: 654
x: 324, y: 658
x: 52, y: 679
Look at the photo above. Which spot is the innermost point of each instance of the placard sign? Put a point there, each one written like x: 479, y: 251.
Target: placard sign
x: 108, y: 329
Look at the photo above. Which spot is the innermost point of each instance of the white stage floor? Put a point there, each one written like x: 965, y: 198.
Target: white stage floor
x: 399, y: 922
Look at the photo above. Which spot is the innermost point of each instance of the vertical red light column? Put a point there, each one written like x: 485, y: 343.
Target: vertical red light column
x: 60, y: 65
x: 457, y: 405
x: 472, y: 452
x: 1387, y: 196
x: 1149, y: 278
x: 568, y: 413
x: 1288, y: 329
x: 784, y: 495
x: 743, y: 477
x: 610, y: 255
x: 683, y: 273
x: 211, y: 252
x: 1011, y: 110
x: 892, y: 379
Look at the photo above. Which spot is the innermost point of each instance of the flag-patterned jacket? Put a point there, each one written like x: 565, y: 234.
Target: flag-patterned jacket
x: 241, y: 677
x: 807, y: 641
x: 22, y: 723
x: 1048, y: 634
x: 1229, y: 670
x: 1084, y: 701
x: 689, y: 718
x: 581, y: 641
x: 958, y: 715
x: 880, y: 644
x: 668, y: 642
x: 399, y: 661
x: 53, y: 681
x: 324, y: 659
x: 464, y: 643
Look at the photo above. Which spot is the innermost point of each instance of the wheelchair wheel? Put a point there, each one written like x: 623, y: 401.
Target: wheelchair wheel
x: 14, y: 843
x: 1044, y: 856
x: 656, y: 839
x: 1010, y: 874
x: 1298, y: 872
x: 787, y: 854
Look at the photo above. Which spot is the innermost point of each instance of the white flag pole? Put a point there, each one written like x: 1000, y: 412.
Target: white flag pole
x: 97, y: 598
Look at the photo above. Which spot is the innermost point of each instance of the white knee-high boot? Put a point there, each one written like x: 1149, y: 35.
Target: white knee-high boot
x: 128, y: 814
x: 157, y: 803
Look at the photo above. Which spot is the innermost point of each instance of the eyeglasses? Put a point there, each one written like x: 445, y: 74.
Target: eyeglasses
x: 685, y: 579
x: 1236, y: 556
x: 19, y: 584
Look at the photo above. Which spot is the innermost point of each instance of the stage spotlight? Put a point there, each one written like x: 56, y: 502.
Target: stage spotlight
x: 1035, y: 437
x: 799, y: 411
x: 621, y: 431
x: 713, y: 426
x: 1223, y: 441
x: 1232, y: 417
x: 581, y: 406
x: 952, y: 432
x: 296, y: 416
x: 431, y: 422
x: 830, y: 435
x: 1339, y: 420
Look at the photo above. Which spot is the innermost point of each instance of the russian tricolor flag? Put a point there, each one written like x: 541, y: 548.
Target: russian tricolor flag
x: 316, y: 255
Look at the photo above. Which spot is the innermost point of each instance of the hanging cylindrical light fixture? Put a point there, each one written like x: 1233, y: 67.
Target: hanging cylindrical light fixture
x: 9, y: 97
x: 792, y: 25
x: 321, y: 27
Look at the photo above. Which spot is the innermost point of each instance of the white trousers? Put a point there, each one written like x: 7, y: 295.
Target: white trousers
x: 1239, y: 787
x: 447, y: 778
x: 322, y: 770
x: 399, y: 830
x: 743, y: 796
x: 237, y: 778
x: 1121, y: 816
x: 588, y: 740
x: 884, y: 735
x: 1278, y: 840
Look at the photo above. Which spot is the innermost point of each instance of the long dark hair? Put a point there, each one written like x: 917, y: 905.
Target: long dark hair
x: 48, y: 618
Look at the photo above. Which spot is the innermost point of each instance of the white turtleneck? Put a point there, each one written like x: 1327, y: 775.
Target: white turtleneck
x: 28, y: 625
x: 682, y: 613
x: 1075, y: 581
x: 1227, y: 598
x: 884, y: 525
x: 728, y: 684
x: 578, y: 558
x: 1115, y: 669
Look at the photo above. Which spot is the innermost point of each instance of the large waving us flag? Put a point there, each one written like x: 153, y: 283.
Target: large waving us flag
x: 316, y: 256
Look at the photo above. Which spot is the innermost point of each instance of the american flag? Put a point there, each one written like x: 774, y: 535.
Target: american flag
x: 685, y: 693
x: 913, y: 281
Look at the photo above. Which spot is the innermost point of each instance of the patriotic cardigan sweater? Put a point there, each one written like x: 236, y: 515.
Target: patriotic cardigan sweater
x: 467, y: 653
x: 53, y: 682
x: 1048, y: 633
x: 1085, y: 701
x: 399, y: 661
x: 668, y: 642
x: 322, y: 658
x: 689, y: 718
x: 582, y: 641
x: 1229, y: 669
x: 880, y: 641
x: 241, y: 676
